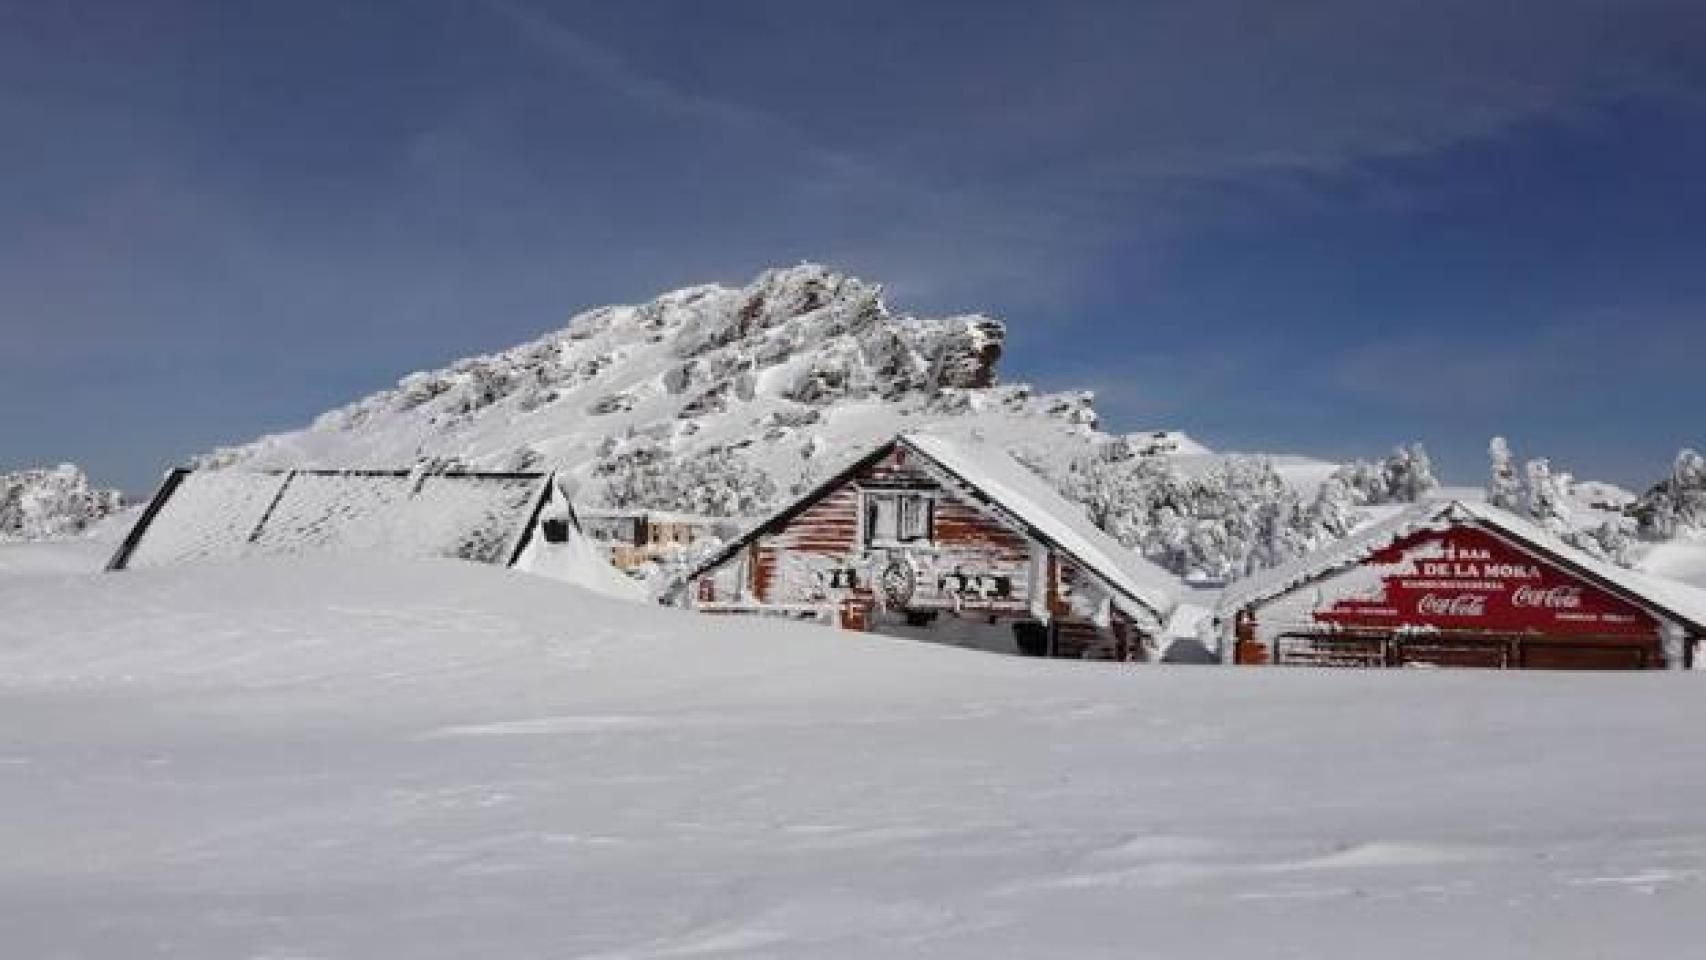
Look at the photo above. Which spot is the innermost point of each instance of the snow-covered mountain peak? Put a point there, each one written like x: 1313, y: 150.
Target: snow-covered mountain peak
x: 709, y: 398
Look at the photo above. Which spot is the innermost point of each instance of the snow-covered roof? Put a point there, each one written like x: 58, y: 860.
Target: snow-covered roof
x: 1678, y: 601
x: 1059, y: 522
x: 205, y: 515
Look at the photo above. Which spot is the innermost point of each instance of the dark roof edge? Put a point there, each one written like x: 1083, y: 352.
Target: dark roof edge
x: 168, y: 486
x: 541, y: 499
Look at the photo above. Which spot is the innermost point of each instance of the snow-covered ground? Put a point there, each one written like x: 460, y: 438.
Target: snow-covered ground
x: 374, y: 759
x: 52, y: 557
x: 87, y: 553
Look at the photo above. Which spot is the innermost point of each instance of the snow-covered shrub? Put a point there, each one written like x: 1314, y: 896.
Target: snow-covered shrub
x: 715, y: 482
x: 57, y: 502
x: 1403, y: 477
x: 1235, y: 518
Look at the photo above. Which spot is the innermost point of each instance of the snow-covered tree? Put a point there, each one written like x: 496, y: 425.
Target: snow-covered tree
x: 1504, y: 487
x: 1677, y: 504
x: 1403, y: 477
x: 1234, y: 518
x: 1410, y: 474
x: 57, y: 502
x: 1611, y: 540
x: 716, y: 482
x: 1334, y: 510
x: 1545, y: 496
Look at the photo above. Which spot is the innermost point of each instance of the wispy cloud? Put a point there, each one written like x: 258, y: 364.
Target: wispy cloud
x: 1516, y: 368
x: 619, y: 75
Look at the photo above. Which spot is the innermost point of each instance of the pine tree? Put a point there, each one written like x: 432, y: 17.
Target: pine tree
x: 1677, y: 504
x: 1504, y: 487
x: 1545, y: 502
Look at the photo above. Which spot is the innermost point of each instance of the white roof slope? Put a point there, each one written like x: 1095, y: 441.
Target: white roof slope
x: 1029, y: 497
x: 222, y: 515
x: 1677, y: 599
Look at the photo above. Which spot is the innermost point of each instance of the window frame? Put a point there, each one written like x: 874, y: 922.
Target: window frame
x: 868, y: 534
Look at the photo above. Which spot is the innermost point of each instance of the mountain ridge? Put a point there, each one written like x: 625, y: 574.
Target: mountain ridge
x: 751, y: 390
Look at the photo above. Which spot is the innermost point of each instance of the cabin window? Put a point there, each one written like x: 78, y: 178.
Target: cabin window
x: 895, y: 518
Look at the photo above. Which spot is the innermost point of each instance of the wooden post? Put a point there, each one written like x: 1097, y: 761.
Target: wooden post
x: 1056, y: 605
x: 754, y: 581
x: 1246, y: 650
x: 854, y: 615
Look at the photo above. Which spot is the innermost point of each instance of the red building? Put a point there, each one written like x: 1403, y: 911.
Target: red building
x: 1457, y: 583
x: 944, y: 540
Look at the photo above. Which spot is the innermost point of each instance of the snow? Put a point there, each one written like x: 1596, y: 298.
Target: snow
x: 53, y: 557
x: 1683, y: 560
x: 85, y: 553
x: 1030, y: 498
x: 432, y: 759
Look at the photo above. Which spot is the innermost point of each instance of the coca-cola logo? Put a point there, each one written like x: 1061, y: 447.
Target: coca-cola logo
x: 1461, y: 605
x: 1547, y: 598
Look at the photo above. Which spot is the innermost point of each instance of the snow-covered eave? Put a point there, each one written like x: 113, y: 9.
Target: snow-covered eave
x: 780, y: 517
x: 1672, y: 601
x: 1150, y: 608
x: 1678, y: 602
x: 1263, y: 586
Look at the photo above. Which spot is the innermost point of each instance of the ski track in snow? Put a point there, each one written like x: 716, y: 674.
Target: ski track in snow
x: 319, y: 760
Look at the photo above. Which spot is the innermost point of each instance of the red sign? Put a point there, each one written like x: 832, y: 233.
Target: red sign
x: 1464, y: 578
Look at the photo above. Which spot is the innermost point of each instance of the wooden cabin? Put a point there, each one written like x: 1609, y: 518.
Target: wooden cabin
x: 947, y: 540
x: 1457, y: 583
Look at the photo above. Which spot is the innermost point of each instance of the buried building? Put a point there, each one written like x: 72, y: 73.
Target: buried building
x: 949, y: 540
x: 518, y: 520
x: 1459, y: 584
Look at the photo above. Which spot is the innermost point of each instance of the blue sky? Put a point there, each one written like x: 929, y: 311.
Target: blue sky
x: 1317, y: 227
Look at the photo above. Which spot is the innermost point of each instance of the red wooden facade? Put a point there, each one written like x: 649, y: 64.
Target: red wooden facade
x: 897, y: 544
x: 1459, y: 594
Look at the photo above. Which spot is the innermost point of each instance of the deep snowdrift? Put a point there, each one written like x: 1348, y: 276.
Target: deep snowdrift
x: 443, y: 760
